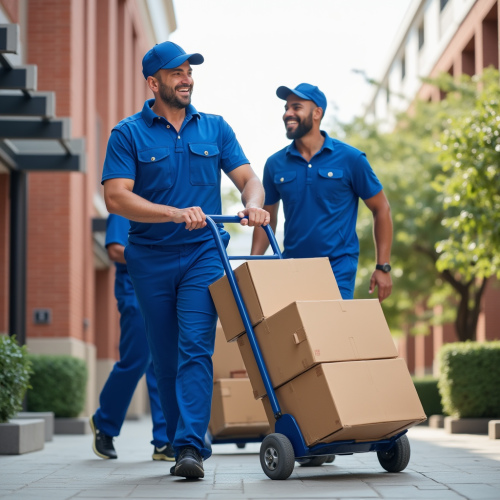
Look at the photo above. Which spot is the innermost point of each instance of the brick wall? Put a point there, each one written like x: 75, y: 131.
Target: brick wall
x: 89, y: 52
x: 56, y: 277
x: 11, y: 7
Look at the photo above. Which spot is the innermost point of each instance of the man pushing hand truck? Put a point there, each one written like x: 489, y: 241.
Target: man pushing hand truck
x: 170, y: 155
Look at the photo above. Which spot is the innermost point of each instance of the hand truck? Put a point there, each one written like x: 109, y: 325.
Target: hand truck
x: 280, y: 450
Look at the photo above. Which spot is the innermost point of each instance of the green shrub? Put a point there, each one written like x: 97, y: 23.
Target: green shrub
x: 15, y: 371
x: 428, y: 392
x: 469, y: 380
x: 58, y: 385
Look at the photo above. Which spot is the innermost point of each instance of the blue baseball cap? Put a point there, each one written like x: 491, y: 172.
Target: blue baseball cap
x: 304, y: 91
x: 167, y: 55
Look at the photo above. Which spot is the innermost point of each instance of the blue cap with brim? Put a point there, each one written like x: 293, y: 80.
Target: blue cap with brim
x: 167, y: 55
x: 304, y: 91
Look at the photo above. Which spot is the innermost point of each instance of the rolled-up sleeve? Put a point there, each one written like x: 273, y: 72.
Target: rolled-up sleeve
x: 272, y: 194
x: 364, y: 181
x: 232, y: 155
x: 120, y: 161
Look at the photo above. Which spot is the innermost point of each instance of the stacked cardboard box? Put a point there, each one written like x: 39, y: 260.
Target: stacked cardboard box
x: 235, y: 413
x: 332, y: 362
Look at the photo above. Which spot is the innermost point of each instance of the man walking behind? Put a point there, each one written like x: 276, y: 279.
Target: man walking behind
x: 320, y: 181
x: 135, y: 360
x: 163, y: 172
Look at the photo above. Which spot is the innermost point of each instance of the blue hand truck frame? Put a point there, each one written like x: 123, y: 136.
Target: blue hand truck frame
x: 285, y: 423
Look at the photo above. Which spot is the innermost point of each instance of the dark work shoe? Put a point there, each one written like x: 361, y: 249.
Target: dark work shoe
x: 172, y: 470
x: 189, y: 464
x: 164, y: 453
x: 102, y: 444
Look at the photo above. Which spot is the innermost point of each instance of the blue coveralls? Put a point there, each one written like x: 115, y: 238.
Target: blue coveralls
x: 320, y: 202
x: 135, y: 356
x: 171, y: 267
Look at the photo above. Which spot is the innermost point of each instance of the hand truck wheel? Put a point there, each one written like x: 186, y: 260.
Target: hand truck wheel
x: 277, y: 457
x: 330, y: 459
x: 396, y: 459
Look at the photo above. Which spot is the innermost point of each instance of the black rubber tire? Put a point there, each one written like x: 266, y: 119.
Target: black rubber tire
x: 240, y: 446
x: 396, y: 459
x: 313, y: 461
x: 330, y: 459
x: 277, y: 457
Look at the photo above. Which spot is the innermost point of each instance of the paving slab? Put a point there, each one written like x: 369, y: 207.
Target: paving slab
x: 442, y: 467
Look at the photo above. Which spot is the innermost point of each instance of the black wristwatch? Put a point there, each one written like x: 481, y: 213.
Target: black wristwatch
x: 386, y: 268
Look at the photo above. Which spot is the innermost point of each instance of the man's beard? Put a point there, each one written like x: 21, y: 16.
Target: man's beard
x: 169, y: 97
x: 303, y: 127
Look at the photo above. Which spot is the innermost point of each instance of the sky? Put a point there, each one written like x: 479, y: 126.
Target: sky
x: 251, y: 47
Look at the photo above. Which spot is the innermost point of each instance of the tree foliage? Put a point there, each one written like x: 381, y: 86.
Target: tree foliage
x: 434, y: 261
x: 470, y: 182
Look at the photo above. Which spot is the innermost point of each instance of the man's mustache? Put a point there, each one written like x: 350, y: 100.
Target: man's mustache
x: 292, y: 119
x: 190, y: 87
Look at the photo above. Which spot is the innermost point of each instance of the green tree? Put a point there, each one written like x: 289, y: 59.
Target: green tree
x: 470, y: 182
x: 412, y: 171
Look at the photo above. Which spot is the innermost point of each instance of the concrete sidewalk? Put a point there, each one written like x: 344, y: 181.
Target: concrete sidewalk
x: 442, y: 467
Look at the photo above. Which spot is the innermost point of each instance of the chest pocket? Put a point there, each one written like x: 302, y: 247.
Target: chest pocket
x: 330, y: 183
x: 286, y: 184
x: 155, y: 170
x: 203, y: 164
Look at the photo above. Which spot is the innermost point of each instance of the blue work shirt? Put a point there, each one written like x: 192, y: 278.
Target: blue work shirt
x: 320, y: 197
x: 117, y: 232
x: 177, y: 168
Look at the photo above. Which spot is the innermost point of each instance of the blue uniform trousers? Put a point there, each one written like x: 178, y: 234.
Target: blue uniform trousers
x: 171, y: 283
x: 135, y: 360
x: 344, y: 268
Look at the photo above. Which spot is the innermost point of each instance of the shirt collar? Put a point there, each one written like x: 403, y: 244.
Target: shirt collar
x: 148, y: 115
x: 327, y: 144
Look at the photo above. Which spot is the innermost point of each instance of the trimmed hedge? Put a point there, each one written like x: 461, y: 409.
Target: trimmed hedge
x: 15, y: 371
x: 428, y: 392
x: 58, y: 385
x: 469, y: 380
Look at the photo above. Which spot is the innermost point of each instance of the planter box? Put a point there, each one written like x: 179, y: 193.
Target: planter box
x: 494, y: 429
x: 22, y: 436
x: 78, y: 425
x: 454, y: 425
x: 436, y: 421
x: 48, y: 416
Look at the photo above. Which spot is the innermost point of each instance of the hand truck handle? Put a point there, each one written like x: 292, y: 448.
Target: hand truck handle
x: 212, y: 221
x: 272, y: 239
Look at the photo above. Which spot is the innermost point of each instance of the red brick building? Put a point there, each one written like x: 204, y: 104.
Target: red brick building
x: 89, y: 53
x: 458, y: 37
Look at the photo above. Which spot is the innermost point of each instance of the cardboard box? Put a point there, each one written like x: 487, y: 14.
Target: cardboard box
x: 227, y: 357
x: 270, y: 285
x: 235, y: 413
x: 360, y: 400
x: 305, y: 334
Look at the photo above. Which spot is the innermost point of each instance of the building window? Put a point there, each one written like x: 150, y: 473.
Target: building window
x: 442, y: 4
x: 403, y: 68
x: 421, y: 36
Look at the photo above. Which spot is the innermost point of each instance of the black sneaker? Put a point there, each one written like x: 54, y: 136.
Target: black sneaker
x: 102, y: 444
x: 172, y: 470
x: 164, y: 453
x: 189, y: 464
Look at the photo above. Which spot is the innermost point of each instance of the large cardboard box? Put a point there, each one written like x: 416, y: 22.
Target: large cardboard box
x: 270, y: 285
x: 360, y: 400
x: 227, y: 359
x: 235, y: 413
x: 305, y: 334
